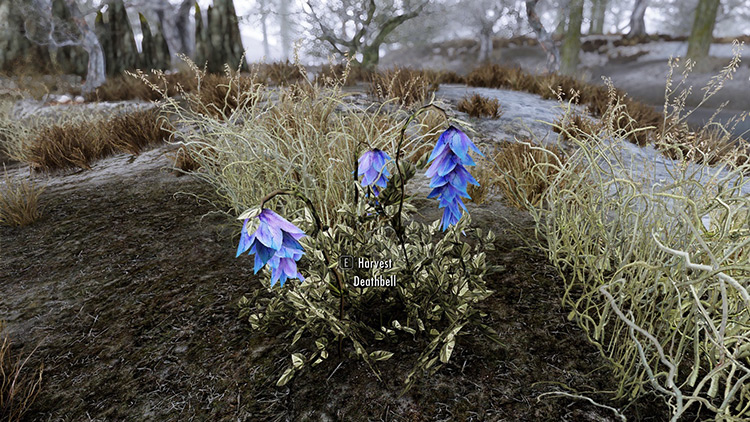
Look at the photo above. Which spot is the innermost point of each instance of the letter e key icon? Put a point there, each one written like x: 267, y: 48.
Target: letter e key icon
x: 346, y: 262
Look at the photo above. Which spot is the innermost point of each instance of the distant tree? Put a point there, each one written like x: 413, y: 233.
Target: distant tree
x: 263, y: 11
x: 181, y: 33
x: 285, y: 28
x: 598, y: 12
x: 485, y: 16
x: 354, y: 28
x: 544, y: 37
x: 51, y: 31
x: 701, y: 36
x: 571, y: 46
x: 562, y: 17
x: 637, y: 22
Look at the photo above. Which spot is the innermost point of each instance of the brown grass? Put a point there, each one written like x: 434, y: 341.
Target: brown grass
x: 334, y: 73
x: 709, y: 145
x: 406, y: 86
x: 221, y: 95
x: 134, y: 132
x: 69, y: 145
x: 282, y: 73
x: 19, y: 385
x: 79, y: 144
x: 525, y: 172
x: 450, y: 77
x: 574, y: 124
x: 479, y: 106
x: 125, y: 87
x: 633, y: 115
x: 19, y: 202
x: 496, y: 76
x: 184, y: 160
x: 486, y: 175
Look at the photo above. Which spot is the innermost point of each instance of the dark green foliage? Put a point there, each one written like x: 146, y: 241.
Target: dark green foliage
x: 435, y: 298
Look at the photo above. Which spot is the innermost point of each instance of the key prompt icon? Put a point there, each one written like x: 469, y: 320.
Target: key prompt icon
x: 346, y: 262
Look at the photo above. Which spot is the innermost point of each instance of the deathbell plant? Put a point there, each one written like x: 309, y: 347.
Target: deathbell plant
x: 440, y: 276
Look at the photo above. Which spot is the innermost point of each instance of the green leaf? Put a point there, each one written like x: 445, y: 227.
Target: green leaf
x: 379, y: 355
x: 298, y: 360
x: 298, y: 335
x: 447, y: 350
x: 250, y: 213
x: 285, y: 377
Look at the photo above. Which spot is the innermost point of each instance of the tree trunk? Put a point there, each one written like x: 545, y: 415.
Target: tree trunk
x: 201, y: 54
x: 182, y: 28
x: 485, y: 44
x: 122, y: 41
x: 285, y: 30
x: 572, y: 43
x: 161, y: 49
x: 70, y: 59
x: 598, y: 12
x: 544, y: 37
x: 148, y: 52
x: 637, y: 24
x: 95, y: 75
x: 562, y: 18
x: 701, y: 35
x: 370, y: 56
x: 264, y: 28
x: 18, y: 54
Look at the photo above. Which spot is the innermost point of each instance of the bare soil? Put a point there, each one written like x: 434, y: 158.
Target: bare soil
x: 130, y: 297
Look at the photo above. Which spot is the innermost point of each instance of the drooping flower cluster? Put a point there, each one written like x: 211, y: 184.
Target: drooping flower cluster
x: 275, y: 242
x: 449, y: 177
x: 372, y: 167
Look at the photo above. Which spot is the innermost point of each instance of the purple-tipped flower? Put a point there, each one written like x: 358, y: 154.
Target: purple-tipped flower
x: 276, y: 242
x: 449, y: 175
x: 372, y: 167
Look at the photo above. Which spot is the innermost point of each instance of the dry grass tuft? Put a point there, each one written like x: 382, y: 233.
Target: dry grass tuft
x: 19, y: 202
x: 342, y: 74
x: 525, y: 172
x: 450, y: 77
x: 126, y: 87
x: 479, y: 106
x: 571, y: 125
x: 496, y: 76
x: 184, y: 160
x: 282, y: 73
x: 69, y: 145
x: 133, y: 132
x: 19, y: 385
x: 221, y: 95
x: 406, y: 86
x: 709, y: 145
x: 487, y: 177
x: 78, y: 144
